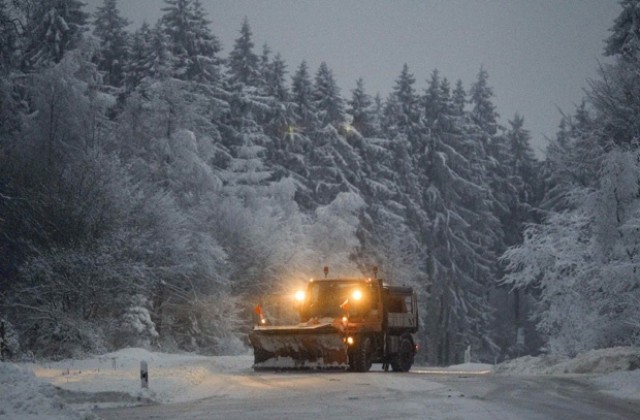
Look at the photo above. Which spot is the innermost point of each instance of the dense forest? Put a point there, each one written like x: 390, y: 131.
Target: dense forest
x: 153, y: 187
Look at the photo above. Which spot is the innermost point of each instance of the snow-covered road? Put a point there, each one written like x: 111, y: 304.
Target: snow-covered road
x: 601, y: 384
x: 377, y: 395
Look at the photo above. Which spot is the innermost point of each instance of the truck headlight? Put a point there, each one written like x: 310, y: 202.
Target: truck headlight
x: 357, y: 294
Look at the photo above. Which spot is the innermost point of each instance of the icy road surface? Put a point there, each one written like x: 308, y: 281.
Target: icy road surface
x: 420, y: 394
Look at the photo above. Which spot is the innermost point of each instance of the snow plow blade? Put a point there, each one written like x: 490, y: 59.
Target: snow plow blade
x: 319, y: 346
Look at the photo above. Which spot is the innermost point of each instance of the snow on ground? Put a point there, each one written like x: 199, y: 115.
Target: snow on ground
x: 114, y: 379
x: 463, y: 369
x: 172, y: 377
x: 616, y: 371
x: 23, y: 397
x: 595, y: 361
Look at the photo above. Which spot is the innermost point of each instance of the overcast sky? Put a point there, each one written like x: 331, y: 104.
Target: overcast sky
x: 539, y: 53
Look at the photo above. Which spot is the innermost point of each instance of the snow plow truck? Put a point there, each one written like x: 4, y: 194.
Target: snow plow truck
x: 345, y: 323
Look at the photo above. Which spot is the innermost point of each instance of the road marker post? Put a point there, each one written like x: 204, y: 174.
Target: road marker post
x: 144, y: 374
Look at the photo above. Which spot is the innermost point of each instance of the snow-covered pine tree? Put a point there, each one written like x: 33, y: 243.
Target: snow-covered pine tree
x: 377, y: 114
x: 242, y: 61
x: 459, y: 98
x: 360, y: 109
x: 402, y: 126
x: 278, y: 120
x: 276, y: 82
x: 52, y: 28
x: 175, y: 25
x: 402, y: 122
x: 326, y: 98
x: 192, y: 44
x: 401, y: 115
x: 625, y: 39
x: 137, y: 67
x: 489, y: 156
x: 435, y: 99
x: 205, y: 63
x: 159, y: 60
x: 524, y: 167
x: 110, y: 28
x: 517, y: 189
x: 617, y: 90
x: 302, y: 97
x: 483, y: 111
x: 242, y: 132
x: 264, y: 68
x: 456, y: 197
x: 573, y: 158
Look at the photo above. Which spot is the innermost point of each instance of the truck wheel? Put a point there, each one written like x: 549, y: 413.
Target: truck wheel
x: 404, y: 359
x: 362, y: 356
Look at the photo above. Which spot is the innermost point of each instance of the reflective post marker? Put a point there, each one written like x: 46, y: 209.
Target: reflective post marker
x: 144, y: 374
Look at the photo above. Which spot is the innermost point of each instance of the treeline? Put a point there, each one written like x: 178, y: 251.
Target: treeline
x: 151, y: 188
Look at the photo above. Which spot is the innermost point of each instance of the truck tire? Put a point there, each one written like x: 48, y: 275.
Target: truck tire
x: 362, y: 356
x: 403, y: 361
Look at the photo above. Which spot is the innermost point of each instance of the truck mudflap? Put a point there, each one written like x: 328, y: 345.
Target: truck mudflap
x: 305, y: 346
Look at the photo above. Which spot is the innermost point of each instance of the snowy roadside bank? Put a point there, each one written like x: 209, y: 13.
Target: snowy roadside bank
x: 615, y: 371
x: 70, y: 389
x: 25, y: 397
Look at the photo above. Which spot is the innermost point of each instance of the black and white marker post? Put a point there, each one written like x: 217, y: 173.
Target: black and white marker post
x: 144, y: 374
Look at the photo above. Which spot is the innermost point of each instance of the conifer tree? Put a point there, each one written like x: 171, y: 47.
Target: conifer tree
x: 138, y: 65
x: 459, y: 98
x: 456, y: 195
x: 276, y: 83
x: 243, y: 62
x: 377, y: 114
x: 523, y: 159
x: 264, y: 68
x: 618, y: 88
x: 483, y: 112
x: 625, y: 38
x: 110, y: 28
x: 401, y: 110
x: 206, y: 64
x: 279, y: 118
x: 436, y: 99
x: 192, y: 44
x: 53, y: 27
x: 360, y: 108
x: 302, y: 98
x: 326, y: 98
x: 161, y: 63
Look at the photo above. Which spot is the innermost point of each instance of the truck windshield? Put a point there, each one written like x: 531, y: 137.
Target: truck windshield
x: 325, y: 298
